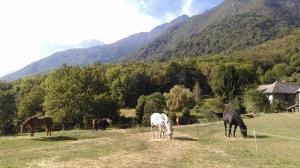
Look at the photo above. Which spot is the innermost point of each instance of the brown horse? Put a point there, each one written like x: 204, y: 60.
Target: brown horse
x: 103, y: 123
x: 34, y: 122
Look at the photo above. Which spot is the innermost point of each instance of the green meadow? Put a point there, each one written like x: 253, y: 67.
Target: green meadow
x: 199, y: 145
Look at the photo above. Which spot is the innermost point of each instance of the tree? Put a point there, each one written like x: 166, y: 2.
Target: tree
x: 185, y: 74
x: 72, y: 94
x: 31, y: 103
x: 138, y: 83
x: 7, y: 108
x: 255, y: 101
x: 228, y: 85
x: 178, y: 98
x: 197, y: 92
x: 147, y: 105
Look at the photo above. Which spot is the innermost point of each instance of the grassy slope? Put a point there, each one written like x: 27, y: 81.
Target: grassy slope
x: 193, y: 146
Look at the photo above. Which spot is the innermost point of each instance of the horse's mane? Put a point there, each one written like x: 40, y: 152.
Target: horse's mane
x: 25, y: 123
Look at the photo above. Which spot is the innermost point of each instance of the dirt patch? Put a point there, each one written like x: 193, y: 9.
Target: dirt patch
x: 157, y: 153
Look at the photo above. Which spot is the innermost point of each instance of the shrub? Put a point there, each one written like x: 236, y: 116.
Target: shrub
x: 147, y: 105
x: 172, y: 117
x: 185, y: 112
x: 255, y: 101
x: 178, y: 98
x: 278, y: 106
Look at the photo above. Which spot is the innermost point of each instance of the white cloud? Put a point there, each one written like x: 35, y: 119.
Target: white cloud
x: 27, y: 25
x: 186, y: 9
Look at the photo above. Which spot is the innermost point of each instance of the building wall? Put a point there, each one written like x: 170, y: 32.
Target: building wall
x: 288, y: 98
x: 297, y: 98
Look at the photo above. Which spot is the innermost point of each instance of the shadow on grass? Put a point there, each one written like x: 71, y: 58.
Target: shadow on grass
x: 56, y: 138
x: 185, y: 139
x: 258, y: 136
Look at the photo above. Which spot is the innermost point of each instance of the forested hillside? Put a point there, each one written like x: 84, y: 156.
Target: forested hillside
x: 233, y: 25
x: 75, y: 95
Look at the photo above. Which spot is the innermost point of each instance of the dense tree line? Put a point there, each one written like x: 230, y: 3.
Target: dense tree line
x: 74, y: 95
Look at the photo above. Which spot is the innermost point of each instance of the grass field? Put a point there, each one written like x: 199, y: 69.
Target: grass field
x: 202, y: 145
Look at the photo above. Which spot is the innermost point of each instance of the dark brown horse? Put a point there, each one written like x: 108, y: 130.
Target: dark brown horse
x: 103, y: 123
x: 232, y: 117
x: 34, y: 122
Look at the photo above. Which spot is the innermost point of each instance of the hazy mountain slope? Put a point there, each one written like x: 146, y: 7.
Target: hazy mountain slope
x: 101, y: 54
x: 233, y: 25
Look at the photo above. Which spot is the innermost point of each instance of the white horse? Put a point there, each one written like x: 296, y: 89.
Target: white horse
x: 161, y: 122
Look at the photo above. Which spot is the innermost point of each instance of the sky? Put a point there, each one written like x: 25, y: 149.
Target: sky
x: 30, y: 28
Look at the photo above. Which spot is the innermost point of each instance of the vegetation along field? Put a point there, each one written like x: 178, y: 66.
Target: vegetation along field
x: 199, y: 145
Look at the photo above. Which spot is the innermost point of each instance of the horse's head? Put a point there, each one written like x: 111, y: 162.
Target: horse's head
x: 109, y: 121
x: 244, y: 132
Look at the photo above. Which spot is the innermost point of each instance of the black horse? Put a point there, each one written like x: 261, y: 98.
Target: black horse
x: 232, y: 117
x: 103, y: 123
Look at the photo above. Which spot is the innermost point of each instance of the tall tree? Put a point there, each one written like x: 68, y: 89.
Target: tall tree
x: 72, y: 92
x: 228, y: 85
x: 7, y: 108
x: 197, y: 92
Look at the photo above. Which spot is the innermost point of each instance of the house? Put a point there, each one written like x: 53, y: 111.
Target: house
x: 297, y: 104
x: 286, y: 92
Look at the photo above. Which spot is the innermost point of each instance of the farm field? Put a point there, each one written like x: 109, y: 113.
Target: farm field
x: 200, y: 145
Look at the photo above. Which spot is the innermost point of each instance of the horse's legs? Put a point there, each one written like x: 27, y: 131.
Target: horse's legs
x: 225, y: 125
x: 234, y: 130
x: 230, y: 126
x: 31, y: 132
x: 152, y: 132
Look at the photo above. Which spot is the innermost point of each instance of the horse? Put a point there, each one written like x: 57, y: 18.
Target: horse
x: 232, y: 117
x: 103, y: 123
x: 34, y: 122
x: 161, y: 122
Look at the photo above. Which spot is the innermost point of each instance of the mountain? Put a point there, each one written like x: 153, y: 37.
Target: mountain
x: 99, y: 54
x: 89, y: 43
x: 50, y: 48
x: 233, y: 25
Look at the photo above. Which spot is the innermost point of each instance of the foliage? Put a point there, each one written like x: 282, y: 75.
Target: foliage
x: 228, y: 85
x: 73, y: 94
x: 255, y: 101
x: 215, y: 104
x: 236, y: 105
x: 233, y: 26
x: 147, y: 105
x: 172, y: 117
x: 278, y: 106
x: 178, y: 98
x: 197, y: 92
x: 185, y: 112
x: 7, y: 108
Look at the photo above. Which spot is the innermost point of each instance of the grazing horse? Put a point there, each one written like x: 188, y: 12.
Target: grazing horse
x: 233, y: 118
x: 34, y: 122
x: 103, y: 123
x: 161, y: 122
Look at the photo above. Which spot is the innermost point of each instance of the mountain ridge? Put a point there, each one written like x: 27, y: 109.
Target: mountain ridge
x: 99, y: 54
x: 232, y: 25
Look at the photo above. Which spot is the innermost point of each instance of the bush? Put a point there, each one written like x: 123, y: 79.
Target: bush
x: 278, y: 106
x: 236, y: 105
x: 185, y: 112
x: 179, y: 97
x: 172, y: 117
x: 147, y: 105
x: 255, y: 101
